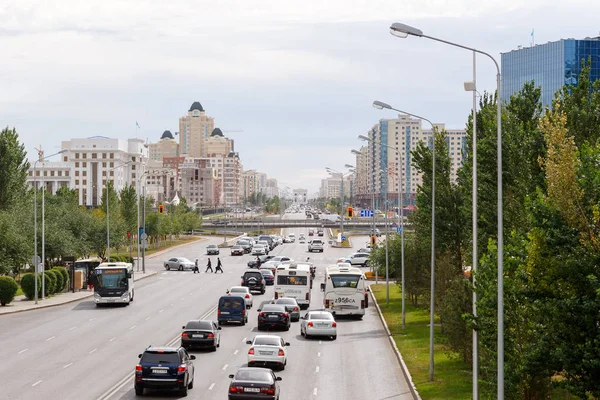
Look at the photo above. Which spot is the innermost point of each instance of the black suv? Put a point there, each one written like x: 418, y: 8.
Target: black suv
x: 254, y: 280
x: 164, y: 368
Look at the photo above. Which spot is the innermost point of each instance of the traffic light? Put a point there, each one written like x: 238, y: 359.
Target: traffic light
x: 161, y: 209
x: 129, y: 235
x: 350, y: 212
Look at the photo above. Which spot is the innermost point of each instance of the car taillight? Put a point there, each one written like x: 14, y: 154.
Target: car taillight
x: 251, y: 351
x: 285, y: 314
x: 281, y: 353
x: 218, y: 313
x: 267, y: 390
x: 309, y: 324
x: 334, y: 324
x: 276, y: 295
x: 242, y: 283
x: 307, y: 295
x: 181, y: 368
x: 211, y: 335
x: 138, y: 368
x: 243, y: 313
x: 326, y: 303
x: 295, y: 308
x: 184, y: 334
x: 362, y: 304
x: 247, y: 296
x: 233, y: 389
x: 261, y: 314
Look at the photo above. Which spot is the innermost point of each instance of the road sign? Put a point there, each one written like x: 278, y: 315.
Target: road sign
x: 144, y: 236
x: 394, y: 225
x: 144, y: 244
x: 36, y: 260
x: 343, y: 238
x: 399, y: 229
x: 366, y: 213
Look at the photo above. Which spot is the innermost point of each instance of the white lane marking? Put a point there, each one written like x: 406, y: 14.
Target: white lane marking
x: 212, y: 385
x: 191, y: 293
x: 225, y: 367
x: 37, y: 383
x: 244, y: 340
x: 320, y: 342
x: 319, y: 354
x: 50, y: 338
x: 72, y: 328
x: 67, y: 366
x: 183, y: 298
x: 92, y: 351
x: 111, y: 340
x: 235, y: 352
x: 317, y: 370
x: 22, y: 351
x: 160, y: 311
x: 91, y: 319
x: 133, y: 327
x: 315, y: 391
x: 147, y: 318
x: 164, y: 273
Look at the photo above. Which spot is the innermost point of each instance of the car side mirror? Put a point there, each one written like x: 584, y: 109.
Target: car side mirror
x: 231, y: 376
x: 287, y: 343
x: 183, y: 327
x: 258, y: 310
x: 219, y: 328
x: 139, y: 356
x: 322, y: 287
x: 192, y: 357
x: 248, y: 341
x: 278, y: 378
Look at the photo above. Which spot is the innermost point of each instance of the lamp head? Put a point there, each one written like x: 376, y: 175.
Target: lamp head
x: 349, y: 166
x: 402, y: 30
x: 380, y: 105
x: 62, y: 151
x: 356, y: 152
x: 470, y: 86
x: 363, y: 137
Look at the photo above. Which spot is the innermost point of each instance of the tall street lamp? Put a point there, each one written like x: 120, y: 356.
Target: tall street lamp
x: 107, y: 214
x: 400, y: 217
x: 35, y: 257
x: 402, y: 31
x: 381, y: 105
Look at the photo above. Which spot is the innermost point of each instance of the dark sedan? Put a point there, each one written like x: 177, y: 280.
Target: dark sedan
x: 269, y: 277
x: 251, y: 383
x: 212, y: 249
x: 254, y: 263
x: 199, y: 333
x: 273, y: 316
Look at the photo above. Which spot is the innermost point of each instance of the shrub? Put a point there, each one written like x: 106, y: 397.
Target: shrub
x: 49, y: 282
x: 65, y: 274
x: 8, y: 289
x: 60, y: 280
x: 28, y: 285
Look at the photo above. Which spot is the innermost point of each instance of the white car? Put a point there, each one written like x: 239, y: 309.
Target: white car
x: 291, y: 237
x: 361, y: 259
x: 318, y: 323
x: 267, y: 350
x: 244, y: 292
x: 259, y: 250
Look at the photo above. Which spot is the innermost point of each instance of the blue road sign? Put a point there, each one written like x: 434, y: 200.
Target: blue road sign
x: 343, y: 238
x: 370, y: 213
x: 399, y: 229
x: 394, y: 225
x: 362, y: 213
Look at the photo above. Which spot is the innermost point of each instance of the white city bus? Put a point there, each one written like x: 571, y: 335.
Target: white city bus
x: 113, y: 283
x: 293, y: 280
x: 345, y: 292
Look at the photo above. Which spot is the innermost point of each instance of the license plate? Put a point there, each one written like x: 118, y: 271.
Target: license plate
x: 253, y: 390
x: 159, y: 371
x: 266, y: 353
x: 323, y: 325
x: 111, y: 300
x: 272, y: 316
x: 198, y: 336
x: 224, y: 312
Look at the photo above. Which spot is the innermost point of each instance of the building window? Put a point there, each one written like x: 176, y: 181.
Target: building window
x: 65, y: 159
x: 84, y: 155
x: 84, y: 173
x: 133, y: 167
x: 112, y: 155
x: 103, y: 173
x: 76, y: 155
x: 84, y: 165
x: 112, y: 164
x: 66, y: 173
x: 84, y: 182
x: 77, y: 165
x: 76, y: 173
x: 112, y: 173
x: 103, y: 155
x: 77, y: 181
x: 94, y: 155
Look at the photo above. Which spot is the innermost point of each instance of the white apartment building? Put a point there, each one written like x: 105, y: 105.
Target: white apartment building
x: 331, y: 188
x: 89, y: 163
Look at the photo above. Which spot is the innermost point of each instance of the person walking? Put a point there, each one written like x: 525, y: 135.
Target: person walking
x: 219, y: 266
x: 196, y: 269
x: 209, y: 266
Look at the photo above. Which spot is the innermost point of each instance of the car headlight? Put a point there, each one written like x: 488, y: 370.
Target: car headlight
x: 125, y: 295
x: 97, y: 296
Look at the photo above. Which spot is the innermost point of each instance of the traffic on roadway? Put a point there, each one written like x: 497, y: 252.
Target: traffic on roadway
x: 231, y: 335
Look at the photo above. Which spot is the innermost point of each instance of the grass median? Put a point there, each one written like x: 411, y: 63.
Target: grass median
x: 452, y: 376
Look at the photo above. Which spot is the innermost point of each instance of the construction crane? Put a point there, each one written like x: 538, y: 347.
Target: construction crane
x: 40, y: 153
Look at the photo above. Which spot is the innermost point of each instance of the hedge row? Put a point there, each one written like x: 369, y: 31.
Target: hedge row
x: 56, y: 280
x: 8, y: 289
x: 121, y: 258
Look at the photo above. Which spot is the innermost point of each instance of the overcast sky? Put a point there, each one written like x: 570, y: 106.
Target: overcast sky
x: 298, y: 77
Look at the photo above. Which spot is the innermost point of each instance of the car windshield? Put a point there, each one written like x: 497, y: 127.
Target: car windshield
x: 212, y: 246
x: 266, y: 272
x: 320, y: 316
x: 287, y: 301
x: 345, y: 281
x: 205, y: 325
x: 273, y: 308
x: 156, y: 357
x: 238, y: 290
x: 237, y: 247
x: 254, y: 374
x: 267, y: 341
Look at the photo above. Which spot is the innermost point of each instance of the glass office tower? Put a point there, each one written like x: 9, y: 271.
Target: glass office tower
x: 550, y: 65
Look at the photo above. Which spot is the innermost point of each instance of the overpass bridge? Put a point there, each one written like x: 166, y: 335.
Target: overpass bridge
x: 263, y: 223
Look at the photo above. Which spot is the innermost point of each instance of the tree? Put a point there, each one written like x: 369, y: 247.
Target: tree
x: 13, y: 168
x: 129, y: 208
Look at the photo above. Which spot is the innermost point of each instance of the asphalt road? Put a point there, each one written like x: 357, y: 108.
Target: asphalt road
x: 78, y: 351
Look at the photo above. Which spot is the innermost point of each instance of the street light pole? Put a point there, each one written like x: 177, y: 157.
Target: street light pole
x: 402, y: 31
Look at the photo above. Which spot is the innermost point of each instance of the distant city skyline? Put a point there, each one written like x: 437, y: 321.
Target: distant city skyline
x: 298, y: 79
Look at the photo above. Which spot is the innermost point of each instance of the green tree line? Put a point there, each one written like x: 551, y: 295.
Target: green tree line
x: 551, y: 184
x: 71, y: 229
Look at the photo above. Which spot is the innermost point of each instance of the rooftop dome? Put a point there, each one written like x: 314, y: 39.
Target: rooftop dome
x: 217, y: 132
x: 196, y: 106
x: 167, y: 135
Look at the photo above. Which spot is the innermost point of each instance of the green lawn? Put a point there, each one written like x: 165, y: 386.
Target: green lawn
x: 452, y: 377
x: 164, y: 244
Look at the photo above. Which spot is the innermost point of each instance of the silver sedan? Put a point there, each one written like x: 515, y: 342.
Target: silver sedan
x: 179, y: 263
x: 318, y: 323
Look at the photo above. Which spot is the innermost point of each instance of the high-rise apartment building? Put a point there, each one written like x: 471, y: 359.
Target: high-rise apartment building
x: 167, y: 146
x: 217, y: 143
x: 550, y: 66
x: 194, y: 131
x: 331, y: 188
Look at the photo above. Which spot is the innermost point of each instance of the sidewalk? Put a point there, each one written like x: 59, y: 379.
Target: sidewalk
x: 20, y: 303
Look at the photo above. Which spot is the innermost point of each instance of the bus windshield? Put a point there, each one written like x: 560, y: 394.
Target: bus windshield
x: 345, y: 281
x: 111, y: 278
x: 292, y: 280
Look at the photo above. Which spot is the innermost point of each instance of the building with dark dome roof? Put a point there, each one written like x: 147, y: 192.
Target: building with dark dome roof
x: 167, y: 135
x: 167, y: 146
x: 196, y: 106
x: 194, y: 130
x: 217, y: 132
x: 217, y: 143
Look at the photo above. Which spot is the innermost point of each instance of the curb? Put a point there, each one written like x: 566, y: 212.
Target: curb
x: 148, y: 275
x: 407, y: 376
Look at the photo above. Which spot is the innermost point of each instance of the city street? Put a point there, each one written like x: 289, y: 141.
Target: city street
x: 78, y: 351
